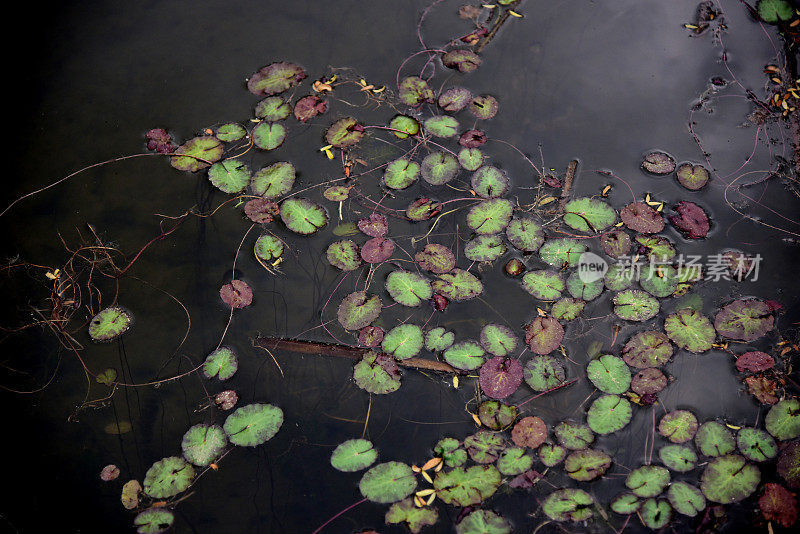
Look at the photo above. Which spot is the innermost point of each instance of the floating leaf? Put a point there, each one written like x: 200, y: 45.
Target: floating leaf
x: 490, y: 216
x: 783, y: 420
x: 691, y: 220
x: 544, y: 285
x: 377, y: 373
x: 490, y: 182
x: 754, y: 361
x: 403, y: 341
x: 655, y: 513
x: 525, y: 233
x: 778, y: 504
x: 472, y: 139
x: 303, y: 216
x: 439, y: 168
x: 583, y: 290
x: 415, y: 518
x: 353, y: 455
x: 713, y: 439
x: 500, y: 376
x: 484, y: 107
x: 544, y: 334
x: 229, y: 176
x: 789, y: 464
x: 461, y: 487
x: 110, y: 323
x: 465, y: 355
x: 567, y: 309
x: 269, y: 135
x: 458, y: 285
x: 221, y: 363
x: 109, y: 473
x: 370, y: 336
x: 659, y: 280
x: 656, y: 247
x: 568, y: 505
x: 484, y: 248
x: 404, y: 126
x: 408, y: 288
x: 616, y: 243
x: 679, y: 458
x: 275, y: 78
x: 483, y: 522
x: 551, y: 454
x: 343, y: 255
x: 273, y: 181
x: 745, y: 320
x: 587, y: 464
x: 640, y: 217
x: 608, y: 414
x: 309, y: 107
x: 678, y: 426
x: 647, y: 349
x: 455, y: 99
x: 756, y: 445
x: 775, y: 11
x: 573, y: 435
x: 400, y: 173
x: 514, y: 461
x: 344, y: 133
x: 377, y: 250
x: 609, y: 374
x: 423, y: 209
x: 168, y: 477
x: 648, y: 381
x: 462, y: 59
x: 197, y: 154
x: 388, y: 482
x: 153, y: 521
x: 230, y: 132
x: 729, y: 479
x: 495, y: 415
x: 543, y: 372
x: 261, y: 210
x: 626, y: 503
x: 226, y: 400
x: 529, y: 432
x: 690, y: 330
x: 358, y: 309
x: 658, y: 163
x: 692, y: 177
x: 130, y: 494
x: 441, y: 126
x: 470, y: 158
x: 635, y: 305
x: 415, y: 91
x: 648, y: 480
x: 375, y: 225
x: 436, y: 258
x: 562, y: 253
x: 272, y: 109
x: 439, y: 339
x: 236, y: 294
x: 589, y: 215
x: 202, y: 444
x: 268, y: 248
x: 253, y: 424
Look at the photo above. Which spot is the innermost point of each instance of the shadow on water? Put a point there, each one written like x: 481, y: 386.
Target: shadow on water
x: 601, y: 82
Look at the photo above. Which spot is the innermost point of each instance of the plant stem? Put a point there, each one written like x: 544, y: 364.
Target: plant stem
x: 337, y: 515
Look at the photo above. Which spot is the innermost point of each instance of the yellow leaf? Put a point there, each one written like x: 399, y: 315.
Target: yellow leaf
x: 326, y: 147
x: 541, y: 312
x: 427, y: 477
x: 415, y: 469
x: 430, y: 464
x: 419, y: 502
x: 430, y: 499
x: 476, y: 419
x: 546, y: 200
x: 660, y: 207
x: 380, y: 89
x: 606, y: 189
x: 690, y: 26
x: 329, y: 154
x: 514, y: 13
x: 50, y: 276
x: 619, y: 224
x: 425, y: 492
x: 733, y: 427
x: 455, y: 381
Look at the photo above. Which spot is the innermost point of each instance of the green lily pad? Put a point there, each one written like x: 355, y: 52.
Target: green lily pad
x: 344, y: 133
x: 462, y: 59
x: 458, y: 285
x: 648, y: 480
x: 423, y: 209
x: 587, y: 464
x: 543, y: 335
x: 408, y: 288
x: 484, y: 447
x: 729, y: 479
x: 358, y: 309
x: 377, y: 373
x: 525, y: 234
x: 450, y: 451
x: 268, y: 248
x: 496, y: 415
x: 514, y: 461
x: 678, y: 458
x: 439, y: 168
x: 273, y: 109
x: 404, y: 126
x: 436, y: 258
x: 354, y: 455
x: 388, y: 482
x: 274, y: 181
x: 713, y: 439
x: 745, y: 320
x: 655, y: 513
x: 415, y: 91
x: 110, y: 323
x: 544, y: 372
x: 551, y: 454
x: 783, y: 420
x: 168, y: 477
x: 336, y: 193
x: 275, y: 78
x: 686, y: 499
x: 197, y: 154
x: 403, y: 341
x: 756, y: 445
x: 202, y: 444
x: 490, y: 216
x: 483, y: 522
x: 567, y: 309
x: 774, y: 11
x: 574, y: 435
x: 647, y: 349
x: 690, y: 330
x: 470, y: 158
x: 609, y: 374
x: 107, y: 377
x: 589, y: 215
x: 659, y: 280
x: 568, y: 505
x: 400, y: 173
x: 692, y: 177
x: 221, y: 363
x: 635, y: 305
x: 584, y: 290
x: 619, y: 276
x: 153, y: 521
x: 678, y: 426
x: 562, y: 253
x: 343, y: 255
x: 230, y: 132
x: 657, y: 247
x: 484, y: 248
x: 269, y: 135
x: 303, y: 216
x: 489, y: 182
x: 465, y: 355
x: 626, y: 503
x: 484, y: 107
x: 253, y: 424
x: 229, y: 176
x: 609, y: 413
x: 455, y: 99
x: 415, y: 518
x: 498, y: 339
x: 441, y: 126
x: 467, y: 487
x: 439, y: 339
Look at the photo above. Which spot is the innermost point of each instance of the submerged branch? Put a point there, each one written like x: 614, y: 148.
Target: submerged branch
x: 343, y: 351
x: 571, y: 168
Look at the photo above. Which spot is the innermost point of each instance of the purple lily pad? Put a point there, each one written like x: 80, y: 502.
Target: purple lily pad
x: 309, y: 107
x: 525, y: 480
x: 529, y: 432
x: 648, y: 381
x: 236, y: 294
x: 789, y: 464
x: 691, y: 220
x: 658, y: 163
x: 275, y: 78
x: 462, y: 59
x: 647, y: 349
x: 261, y: 210
x: 472, y: 139
x: 544, y: 334
x: 455, y: 99
x: 640, y: 217
x: 370, y: 336
x: 227, y: 399
x: 745, y: 320
x: 375, y: 225
x: 344, y: 133
x: 616, y: 243
x: 778, y: 504
x: 109, y: 473
x: 500, y: 377
x: 160, y: 141
x: 377, y: 250
x: 436, y: 258
x: 754, y: 361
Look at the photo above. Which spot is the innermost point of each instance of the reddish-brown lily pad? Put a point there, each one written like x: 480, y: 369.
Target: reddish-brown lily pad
x: 647, y: 349
x: 544, y: 334
x: 436, y: 258
x: 778, y: 504
x: 754, y: 361
x: 377, y: 250
x: 236, y: 294
x: 500, y: 377
x: 648, y: 381
x: 745, y: 320
x: 529, y: 432
x: 616, y: 243
x: 376, y: 225
x: 370, y: 336
x: 641, y: 218
x: 658, y: 163
x: 309, y: 107
x: 691, y: 220
x: 261, y: 210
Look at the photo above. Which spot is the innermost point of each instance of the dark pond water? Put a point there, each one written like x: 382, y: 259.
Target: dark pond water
x: 603, y: 82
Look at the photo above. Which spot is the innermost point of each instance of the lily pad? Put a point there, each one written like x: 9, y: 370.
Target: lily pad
x: 110, y: 323
x: 489, y: 182
x: 587, y: 464
x: 370, y: 336
x: 229, y: 176
x: 616, y: 243
x: 626, y: 503
x: 400, y: 173
x: 358, y: 309
x: 439, y: 168
x: 609, y: 374
x: 415, y: 518
x: 376, y: 225
x: 544, y: 285
x: 678, y: 458
x: 635, y: 305
x: 573, y: 435
x: 642, y: 218
x: 423, y: 209
x: 458, y: 285
x: 467, y: 487
x: 562, y: 253
x: 221, y: 363
x: 568, y: 505
x: 441, y: 126
x: 309, y: 107
x: 713, y: 439
x: 490, y: 216
x: 544, y: 334
x: 589, y: 215
x: 483, y: 522
x: 268, y: 248
x: 775, y: 11
x: 655, y: 513
x: 388, y: 482
x: 377, y: 250
x: 551, y: 454
x: 470, y: 158
x: 691, y: 220
x: 408, y: 288
x: 253, y: 424
x: 496, y: 415
x: 273, y: 181
x: 303, y: 216
x: 783, y: 420
x: 690, y: 330
x: 484, y: 447
x: 273, y: 108
x: 403, y: 341
x: 658, y: 163
x: 609, y: 413
x: 343, y: 255
x: 529, y: 432
x: 275, y: 78
x: 500, y: 377
x: 648, y: 480
x: 692, y: 177
x: 436, y: 258
x: 168, y: 477
x: 778, y: 504
x: 415, y: 91
x: 659, y: 280
x: 583, y: 290
x: 756, y: 445
x: 789, y: 464
x: 744, y: 320
x: 353, y: 455
x: 498, y: 340
x: 404, y: 126
x: 544, y: 372
x: 657, y: 247
x: 202, y: 444
x: 439, y: 339
x: 230, y: 132
x: 455, y: 99
x: 484, y: 107
x: 377, y: 373
x: 450, y: 451
x: 754, y: 361
x: 197, y: 154
x: 484, y: 248
x: 261, y: 210
x: 236, y: 294
x: 649, y: 381
x: 647, y: 349
x: 344, y: 133
x: 465, y: 355
x: 678, y: 426
x: 269, y: 135
x: 729, y: 479
x: 462, y: 59
x: 514, y: 461
x: 153, y: 521
x: 525, y: 233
